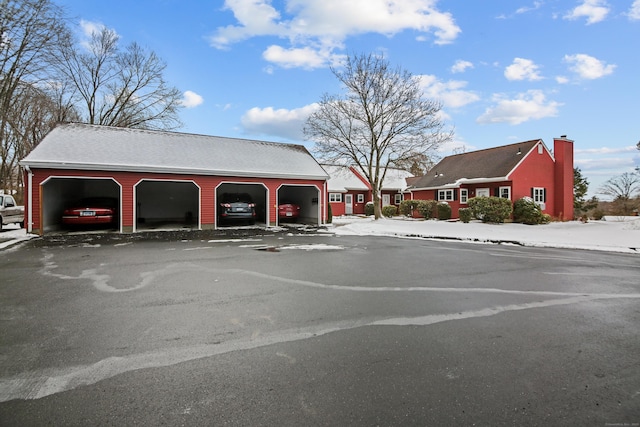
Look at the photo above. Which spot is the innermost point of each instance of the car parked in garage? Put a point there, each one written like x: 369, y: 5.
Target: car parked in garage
x: 91, y: 211
x: 288, y: 211
x: 236, y: 207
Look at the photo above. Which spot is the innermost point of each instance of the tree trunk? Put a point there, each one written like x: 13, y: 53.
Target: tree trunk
x: 376, y: 205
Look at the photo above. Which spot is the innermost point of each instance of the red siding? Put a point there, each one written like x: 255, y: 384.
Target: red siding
x: 128, y: 180
x: 536, y: 170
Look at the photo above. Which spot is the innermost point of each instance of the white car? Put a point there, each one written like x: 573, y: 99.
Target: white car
x: 10, y: 212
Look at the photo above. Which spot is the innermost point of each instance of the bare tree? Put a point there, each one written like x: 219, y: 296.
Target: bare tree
x: 123, y: 88
x: 382, y: 120
x: 30, y: 30
x: 623, y: 188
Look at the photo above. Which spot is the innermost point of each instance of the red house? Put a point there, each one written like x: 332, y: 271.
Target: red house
x: 166, y: 177
x: 349, y: 191
x: 511, y: 171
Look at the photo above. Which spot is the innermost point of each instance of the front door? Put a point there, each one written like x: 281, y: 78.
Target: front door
x: 348, y: 204
x: 482, y: 192
x: 386, y: 199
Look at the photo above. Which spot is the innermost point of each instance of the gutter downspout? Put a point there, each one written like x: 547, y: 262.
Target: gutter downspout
x: 29, y: 199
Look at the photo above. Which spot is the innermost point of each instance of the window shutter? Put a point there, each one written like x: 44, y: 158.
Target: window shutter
x: 496, y: 192
x: 455, y: 195
x: 544, y: 195
x: 532, y: 193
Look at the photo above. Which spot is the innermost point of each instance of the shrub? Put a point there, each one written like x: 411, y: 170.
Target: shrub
x: 597, y: 214
x: 444, y: 211
x: 408, y: 206
x: 465, y: 214
x: 426, y: 208
x: 389, y: 211
x: 368, y: 208
x: 490, y: 209
x: 526, y: 211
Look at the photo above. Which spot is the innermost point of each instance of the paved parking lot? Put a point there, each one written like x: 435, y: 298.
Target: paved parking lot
x: 288, y: 329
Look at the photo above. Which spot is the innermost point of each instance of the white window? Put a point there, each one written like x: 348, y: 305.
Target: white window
x: 445, y: 195
x: 505, y: 192
x: 464, y: 195
x: 335, y: 197
x: 539, y: 195
x: 540, y: 149
x: 360, y: 198
x: 397, y: 199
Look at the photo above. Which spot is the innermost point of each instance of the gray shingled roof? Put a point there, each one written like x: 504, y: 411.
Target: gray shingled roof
x: 91, y: 147
x: 486, y: 165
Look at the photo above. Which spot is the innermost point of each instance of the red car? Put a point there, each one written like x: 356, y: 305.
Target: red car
x: 288, y: 211
x: 91, y: 211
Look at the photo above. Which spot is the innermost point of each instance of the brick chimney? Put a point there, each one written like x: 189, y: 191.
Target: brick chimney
x: 563, y: 178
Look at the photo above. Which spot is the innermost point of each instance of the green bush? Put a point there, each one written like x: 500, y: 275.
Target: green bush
x: 526, y: 211
x: 465, y: 214
x: 427, y: 208
x: 389, y: 211
x: 407, y: 207
x: 368, y: 208
x: 490, y: 209
x: 444, y: 211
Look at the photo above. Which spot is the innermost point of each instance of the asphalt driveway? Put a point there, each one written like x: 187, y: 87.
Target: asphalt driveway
x: 306, y: 329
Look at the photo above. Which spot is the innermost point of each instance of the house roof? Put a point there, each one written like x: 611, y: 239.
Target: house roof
x: 492, y: 164
x: 92, y: 147
x: 342, y: 179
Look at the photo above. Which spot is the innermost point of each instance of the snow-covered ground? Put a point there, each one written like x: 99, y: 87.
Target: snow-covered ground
x: 616, y: 234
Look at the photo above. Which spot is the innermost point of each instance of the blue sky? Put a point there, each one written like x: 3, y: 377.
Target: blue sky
x: 505, y: 70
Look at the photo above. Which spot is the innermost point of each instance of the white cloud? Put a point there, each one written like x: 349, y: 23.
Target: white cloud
x: 323, y: 25
x: 525, y: 9
x: 281, y: 122
x: 594, y: 10
x: 531, y: 105
x: 606, y: 150
x: 451, y: 93
x: 461, y: 66
x: 634, y: 11
x: 588, y: 67
x: 562, y: 80
x: 305, y: 57
x: 191, y: 99
x: 522, y: 69
x: 88, y: 29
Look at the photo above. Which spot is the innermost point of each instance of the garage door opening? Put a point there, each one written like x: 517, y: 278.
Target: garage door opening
x: 304, y: 197
x: 87, y: 194
x: 233, y: 202
x: 167, y: 204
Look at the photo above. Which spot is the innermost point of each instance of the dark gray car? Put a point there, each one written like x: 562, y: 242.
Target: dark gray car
x: 236, y: 207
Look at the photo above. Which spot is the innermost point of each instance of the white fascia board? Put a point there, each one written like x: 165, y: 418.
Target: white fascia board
x: 155, y: 169
x: 463, y: 181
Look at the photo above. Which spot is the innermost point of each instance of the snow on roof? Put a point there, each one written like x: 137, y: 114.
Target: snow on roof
x: 92, y: 147
x: 343, y: 179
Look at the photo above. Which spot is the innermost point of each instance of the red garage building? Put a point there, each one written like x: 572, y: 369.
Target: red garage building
x: 166, y: 177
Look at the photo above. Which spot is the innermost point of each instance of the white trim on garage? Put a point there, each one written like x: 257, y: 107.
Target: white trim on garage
x: 319, y: 199
x: 135, y: 196
x: 215, y: 198
x: 49, y: 178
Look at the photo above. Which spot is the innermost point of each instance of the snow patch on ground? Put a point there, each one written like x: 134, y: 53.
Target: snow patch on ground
x: 615, y: 234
